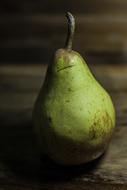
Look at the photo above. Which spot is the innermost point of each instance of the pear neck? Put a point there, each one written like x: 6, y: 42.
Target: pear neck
x: 70, y: 33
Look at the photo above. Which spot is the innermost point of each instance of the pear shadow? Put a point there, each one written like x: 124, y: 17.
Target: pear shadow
x: 19, y: 154
x: 66, y: 173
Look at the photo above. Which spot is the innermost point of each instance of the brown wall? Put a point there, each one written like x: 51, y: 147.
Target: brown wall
x: 31, y: 30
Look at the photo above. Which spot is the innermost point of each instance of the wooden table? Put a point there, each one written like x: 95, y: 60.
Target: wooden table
x: 20, y: 164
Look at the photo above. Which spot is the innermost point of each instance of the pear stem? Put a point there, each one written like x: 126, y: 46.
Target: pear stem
x: 71, y: 29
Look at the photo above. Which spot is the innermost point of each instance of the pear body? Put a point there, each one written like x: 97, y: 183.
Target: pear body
x: 74, y: 117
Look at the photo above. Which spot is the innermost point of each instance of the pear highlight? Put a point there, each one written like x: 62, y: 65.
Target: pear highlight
x: 73, y: 116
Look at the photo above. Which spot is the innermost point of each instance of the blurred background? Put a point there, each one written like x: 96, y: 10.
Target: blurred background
x: 30, y: 31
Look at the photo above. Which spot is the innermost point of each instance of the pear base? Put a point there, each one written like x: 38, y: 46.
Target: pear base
x: 77, y: 159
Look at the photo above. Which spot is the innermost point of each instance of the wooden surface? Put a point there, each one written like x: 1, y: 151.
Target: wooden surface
x: 21, y: 166
x: 31, y: 30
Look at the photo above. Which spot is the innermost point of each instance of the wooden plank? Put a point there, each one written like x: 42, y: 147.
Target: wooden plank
x: 25, y: 55
x: 34, y: 38
x: 28, y: 27
x: 36, y: 26
x: 29, y: 6
x: 64, y: 186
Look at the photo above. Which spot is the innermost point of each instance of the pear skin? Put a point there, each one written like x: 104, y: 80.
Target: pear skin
x: 74, y: 117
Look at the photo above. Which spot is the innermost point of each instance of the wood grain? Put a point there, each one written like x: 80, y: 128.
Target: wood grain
x: 93, y: 33
x: 31, y: 6
x: 21, y: 166
x: 32, y: 30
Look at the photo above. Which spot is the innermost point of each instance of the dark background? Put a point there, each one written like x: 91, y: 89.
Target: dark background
x: 31, y: 30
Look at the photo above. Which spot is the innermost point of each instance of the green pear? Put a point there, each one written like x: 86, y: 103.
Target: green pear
x: 74, y: 117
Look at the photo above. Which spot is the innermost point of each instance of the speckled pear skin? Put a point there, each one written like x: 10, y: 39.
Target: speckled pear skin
x: 74, y: 117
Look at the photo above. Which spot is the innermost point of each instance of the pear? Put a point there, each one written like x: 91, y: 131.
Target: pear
x: 74, y: 117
